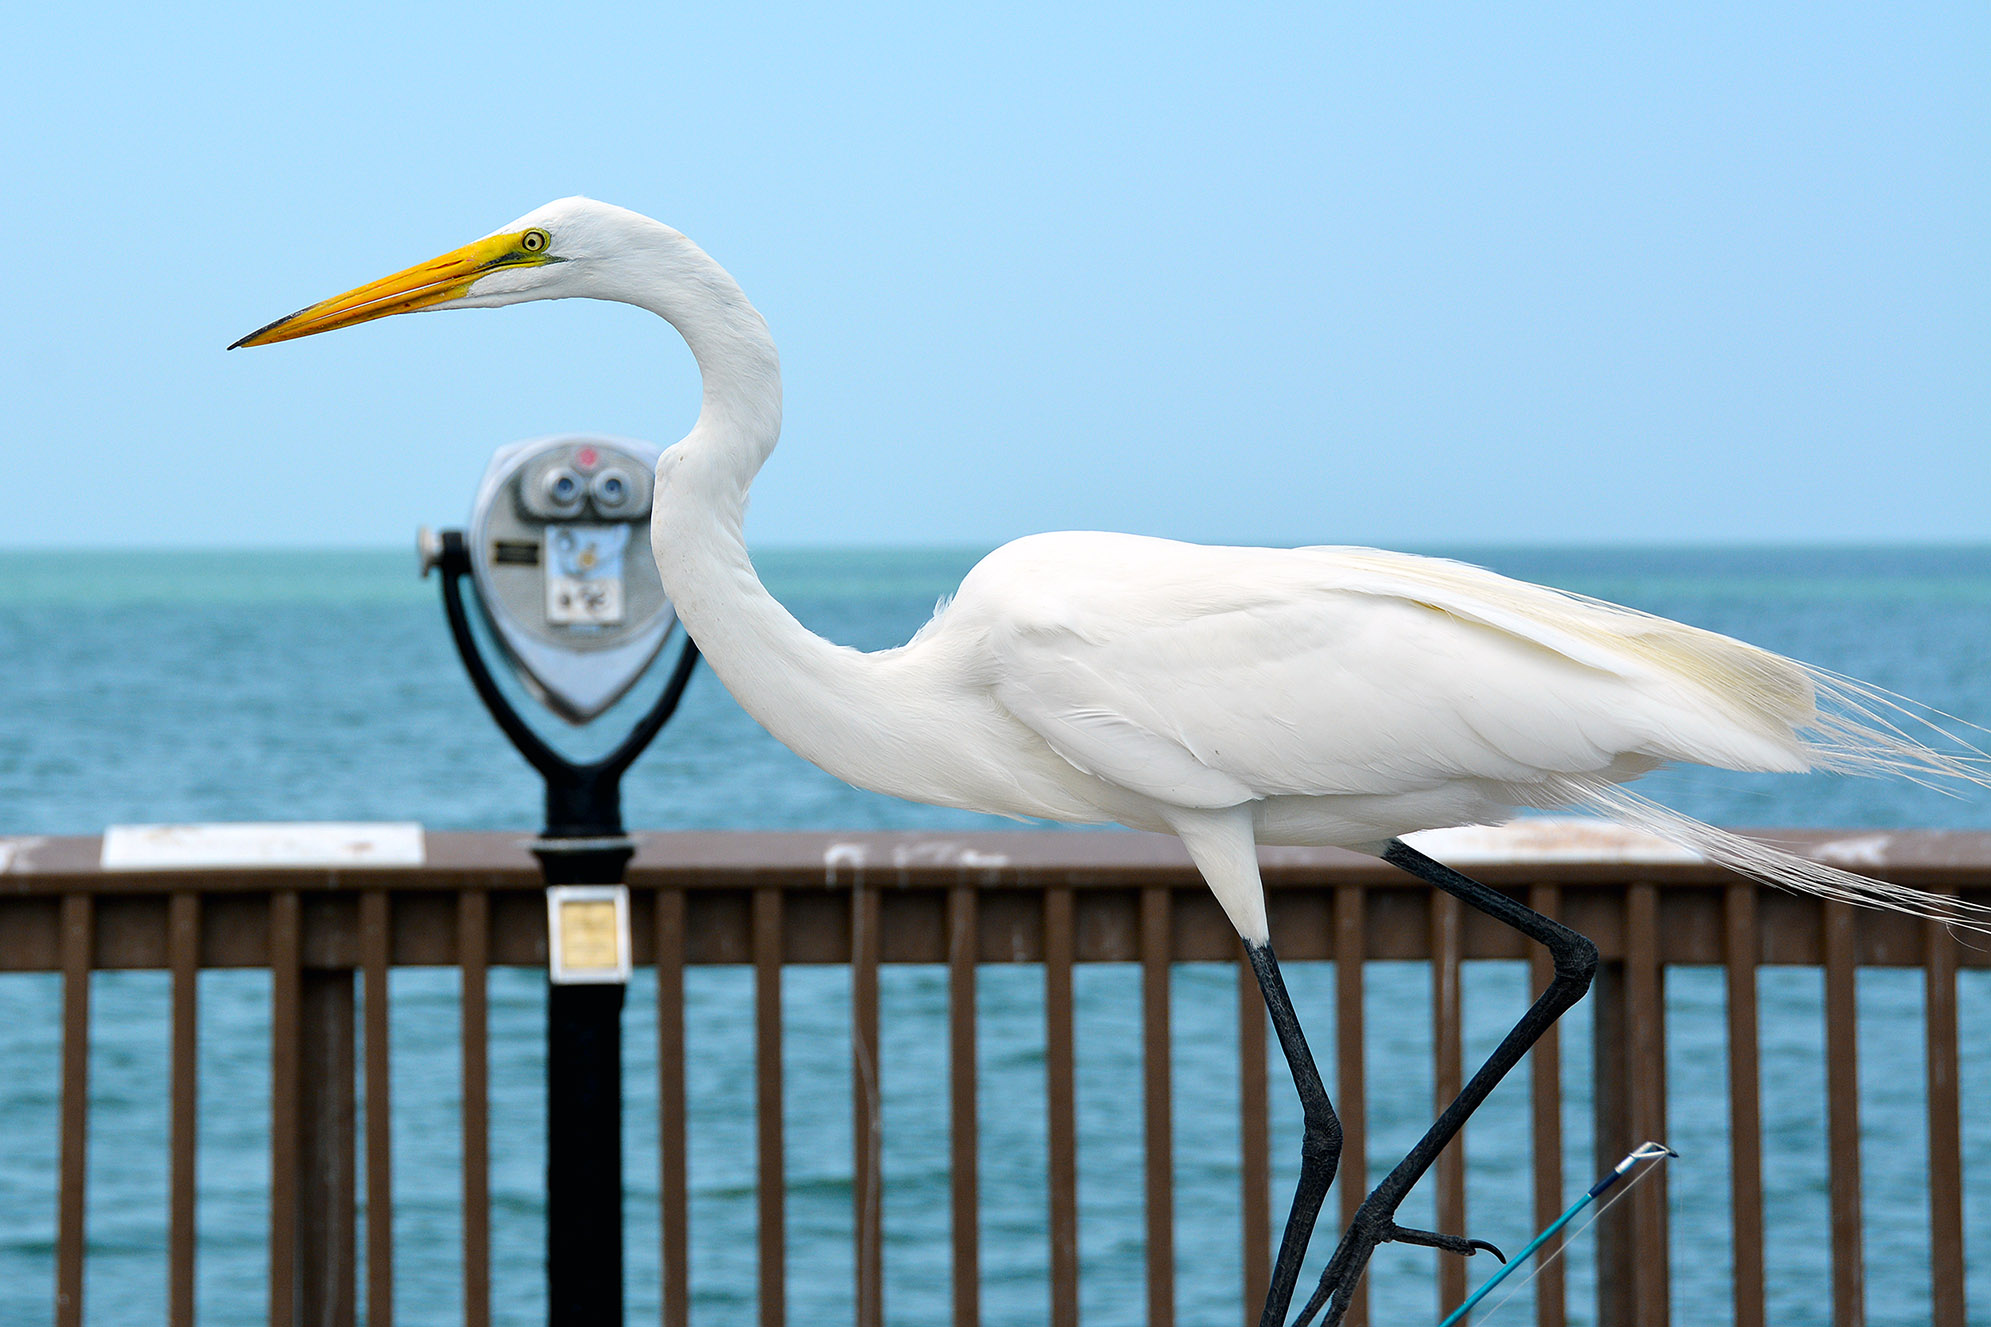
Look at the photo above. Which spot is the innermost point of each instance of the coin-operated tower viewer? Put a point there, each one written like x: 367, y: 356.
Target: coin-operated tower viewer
x: 558, y: 551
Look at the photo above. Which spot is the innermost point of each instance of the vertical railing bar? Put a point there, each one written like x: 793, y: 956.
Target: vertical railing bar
x: 1061, y: 1105
x: 1350, y: 1073
x: 328, y: 1253
x: 375, y: 925
x: 1645, y: 1034
x: 1254, y: 1124
x: 771, y: 1181
x: 963, y: 948
x: 78, y: 940
x: 1613, y: 1132
x: 1545, y: 1108
x: 473, y: 948
x: 1157, y: 1097
x: 1448, y: 1080
x: 183, y: 957
x: 867, y: 1139
x: 1842, y: 1114
x: 673, y: 1183
x: 1946, y: 1247
x: 1742, y: 947
x: 286, y: 995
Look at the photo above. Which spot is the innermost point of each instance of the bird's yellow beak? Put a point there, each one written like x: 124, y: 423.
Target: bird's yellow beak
x: 445, y: 278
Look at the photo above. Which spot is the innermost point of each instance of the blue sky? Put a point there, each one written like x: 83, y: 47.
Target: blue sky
x: 1408, y: 275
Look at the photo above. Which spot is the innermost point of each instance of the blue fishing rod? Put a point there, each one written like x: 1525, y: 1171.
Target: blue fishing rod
x: 1642, y: 1153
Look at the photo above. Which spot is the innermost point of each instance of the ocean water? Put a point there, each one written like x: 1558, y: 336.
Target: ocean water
x: 147, y: 687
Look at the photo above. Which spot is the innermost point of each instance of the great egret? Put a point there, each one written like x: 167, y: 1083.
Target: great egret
x: 1230, y: 696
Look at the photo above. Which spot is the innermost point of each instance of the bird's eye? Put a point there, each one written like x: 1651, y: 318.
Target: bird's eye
x: 534, y: 241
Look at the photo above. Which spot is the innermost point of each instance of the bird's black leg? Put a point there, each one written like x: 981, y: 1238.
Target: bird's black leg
x: 1575, y: 964
x: 1320, y: 1146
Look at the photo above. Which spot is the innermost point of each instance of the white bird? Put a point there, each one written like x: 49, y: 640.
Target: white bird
x: 1230, y: 696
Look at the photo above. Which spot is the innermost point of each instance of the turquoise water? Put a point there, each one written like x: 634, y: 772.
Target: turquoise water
x: 210, y: 686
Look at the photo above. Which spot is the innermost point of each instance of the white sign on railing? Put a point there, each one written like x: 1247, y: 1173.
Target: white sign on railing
x: 316, y: 843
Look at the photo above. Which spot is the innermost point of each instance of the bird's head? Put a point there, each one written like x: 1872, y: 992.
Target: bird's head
x: 552, y: 252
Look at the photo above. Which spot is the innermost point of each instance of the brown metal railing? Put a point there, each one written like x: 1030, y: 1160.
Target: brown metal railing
x: 961, y: 902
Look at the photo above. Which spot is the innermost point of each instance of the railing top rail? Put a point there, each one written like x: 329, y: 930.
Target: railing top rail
x: 1593, y: 874
x: 498, y: 860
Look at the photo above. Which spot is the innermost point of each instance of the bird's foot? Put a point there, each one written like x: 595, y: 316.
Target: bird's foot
x: 1368, y: 1231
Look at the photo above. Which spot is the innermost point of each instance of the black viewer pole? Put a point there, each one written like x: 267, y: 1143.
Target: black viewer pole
x: 583, y: 844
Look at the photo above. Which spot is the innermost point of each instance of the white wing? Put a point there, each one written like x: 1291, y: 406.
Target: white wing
x: 1206, y: 677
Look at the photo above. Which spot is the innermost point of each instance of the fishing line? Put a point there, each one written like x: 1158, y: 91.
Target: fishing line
x: 1632, y: 1165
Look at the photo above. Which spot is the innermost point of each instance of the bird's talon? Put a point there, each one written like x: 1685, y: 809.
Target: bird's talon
x: 1430, y: 1239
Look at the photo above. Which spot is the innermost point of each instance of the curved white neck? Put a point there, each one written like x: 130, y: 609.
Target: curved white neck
x: 812, y: 695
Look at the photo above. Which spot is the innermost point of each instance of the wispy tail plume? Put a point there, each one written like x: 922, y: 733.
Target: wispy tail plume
x: 1859, y: 729
x: 1785, y: 869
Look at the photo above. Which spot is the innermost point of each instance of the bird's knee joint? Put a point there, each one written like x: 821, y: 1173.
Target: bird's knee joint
x: 1321, y: 1143
x: 1576, y: 959
x: 1321, y: 1126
